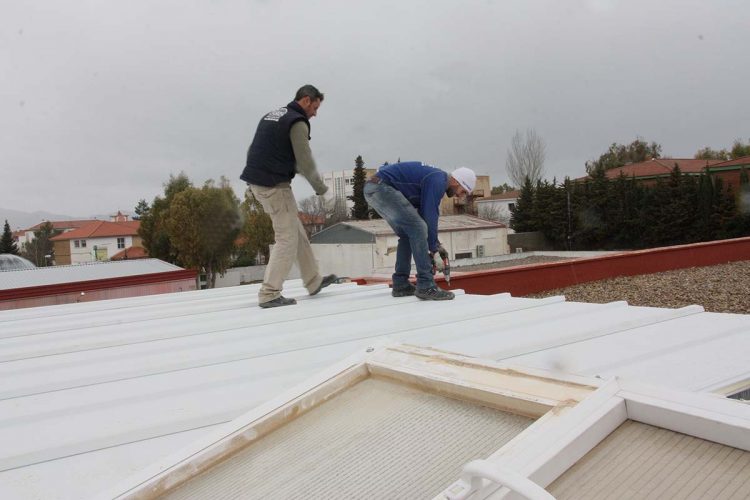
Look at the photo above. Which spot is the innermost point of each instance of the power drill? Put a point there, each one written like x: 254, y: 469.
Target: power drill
x: 447, y: 269
x: 446, y: 265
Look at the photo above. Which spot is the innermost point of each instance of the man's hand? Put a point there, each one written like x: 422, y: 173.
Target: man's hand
x: 434, y: 264
x: 443, y: 253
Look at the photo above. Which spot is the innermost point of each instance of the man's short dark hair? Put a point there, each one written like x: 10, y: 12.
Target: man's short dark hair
x: 309, y: 91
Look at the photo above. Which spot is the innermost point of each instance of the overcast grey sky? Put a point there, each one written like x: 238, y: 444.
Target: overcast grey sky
x: 102, y: 100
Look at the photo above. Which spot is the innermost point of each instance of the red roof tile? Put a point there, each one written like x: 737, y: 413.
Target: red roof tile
x: 659, y: 167
x: 62, y: 224
x: 130, y: 253
x: 737, y: 162
x: 101, y: 229
x: 311, y: 219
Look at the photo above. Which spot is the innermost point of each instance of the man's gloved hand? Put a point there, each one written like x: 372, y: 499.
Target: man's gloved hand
x: 434, y: 264
x: 443, y: 253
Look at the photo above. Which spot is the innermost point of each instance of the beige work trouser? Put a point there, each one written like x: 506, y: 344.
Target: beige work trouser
x: 291, y: 242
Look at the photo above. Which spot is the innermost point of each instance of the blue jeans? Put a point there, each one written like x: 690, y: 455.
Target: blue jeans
x: 411, y: 230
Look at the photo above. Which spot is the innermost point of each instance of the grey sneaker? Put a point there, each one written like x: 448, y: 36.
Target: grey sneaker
x: 327, y: 280
x: 434, y: 293
x: 278, y: 302
x: 403, y: 291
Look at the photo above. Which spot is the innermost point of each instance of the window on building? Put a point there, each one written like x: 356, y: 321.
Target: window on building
x: 511, y: 206
x: 83, y: 243
x: 463, y: 255
x: 77, y: 243
x: 120, y: 242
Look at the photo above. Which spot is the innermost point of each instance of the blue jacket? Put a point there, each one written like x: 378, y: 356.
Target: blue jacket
x: 424, y: 186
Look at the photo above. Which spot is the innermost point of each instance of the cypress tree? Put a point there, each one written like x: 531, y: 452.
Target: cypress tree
x: 7, y: 243
x: 360, y: 211
x: 521, y: 219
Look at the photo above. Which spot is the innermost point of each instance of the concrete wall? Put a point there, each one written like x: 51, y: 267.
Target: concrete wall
x: 528, y: 242
x: 350, y: 259
x: 494, y: 242
x: 248, y: 274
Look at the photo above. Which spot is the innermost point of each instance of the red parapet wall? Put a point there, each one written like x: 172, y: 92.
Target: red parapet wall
x: 524, y: 280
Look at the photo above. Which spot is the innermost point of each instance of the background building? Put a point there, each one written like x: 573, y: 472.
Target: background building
x: 466, y: 205
x: 361, y: 248
x: 341, y: 185
x: 97, y: 241
x: 497, y: 207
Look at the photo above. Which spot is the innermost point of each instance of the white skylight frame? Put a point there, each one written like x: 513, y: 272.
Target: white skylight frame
x: 573, y: 414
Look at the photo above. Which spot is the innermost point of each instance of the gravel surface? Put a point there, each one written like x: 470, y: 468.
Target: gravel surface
x: 720, y: 288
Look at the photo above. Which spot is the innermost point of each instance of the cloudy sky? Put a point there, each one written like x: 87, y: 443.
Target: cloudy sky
x: 101, y: 100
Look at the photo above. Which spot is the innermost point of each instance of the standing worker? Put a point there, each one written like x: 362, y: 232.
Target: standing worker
x: 280, y: 149
x: 407, y: 195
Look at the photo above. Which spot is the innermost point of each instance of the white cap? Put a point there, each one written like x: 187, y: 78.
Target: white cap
x: 466, y: 177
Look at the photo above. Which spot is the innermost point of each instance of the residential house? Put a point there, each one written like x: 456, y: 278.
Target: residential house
x: 27, y: 235
x: 361, y: 248
x: 647, y: 172
x: 98, y: 240
x: 730, y: 171
x: 467, y: 204
x: 497, y: 207
x: 312, y: 223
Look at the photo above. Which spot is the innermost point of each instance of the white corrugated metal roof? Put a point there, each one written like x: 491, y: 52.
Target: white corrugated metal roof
x: 92, y: 392
x: 55, y: 275
x: 446, y: 223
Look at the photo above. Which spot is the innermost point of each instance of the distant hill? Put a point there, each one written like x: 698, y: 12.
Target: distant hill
x: 24, y: 220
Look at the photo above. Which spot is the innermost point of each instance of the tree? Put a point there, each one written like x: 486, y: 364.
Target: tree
x: 152, y: 230
x: 141, y: 209
x: 257, y: 230
x: 526, y: 157
x: 361, y: 210
x: 618, y: 155
x: 314, y: 206
x: 202, y: 225
x: 739, y: 149
x: 7, y: 243
x: 521, y: 218
x: 502, y: 188
x: 41, y: 250
x: 711, y: 154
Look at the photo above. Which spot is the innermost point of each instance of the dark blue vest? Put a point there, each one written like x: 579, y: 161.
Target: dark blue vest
x: 270, y: 159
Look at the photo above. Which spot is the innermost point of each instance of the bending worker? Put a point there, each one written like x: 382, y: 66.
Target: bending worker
x: 407, y: 195
x: 279, y: 150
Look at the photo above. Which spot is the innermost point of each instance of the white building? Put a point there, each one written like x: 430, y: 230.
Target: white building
x: 363, y: 248
x: 341, y: 185
x: 498, y: 206
x: 97, y: 241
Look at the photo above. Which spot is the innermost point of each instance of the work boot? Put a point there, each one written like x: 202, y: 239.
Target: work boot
x: 403, y: 291
x: 327, y: 280
x: 278, y: 302
x: 434, y: 293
